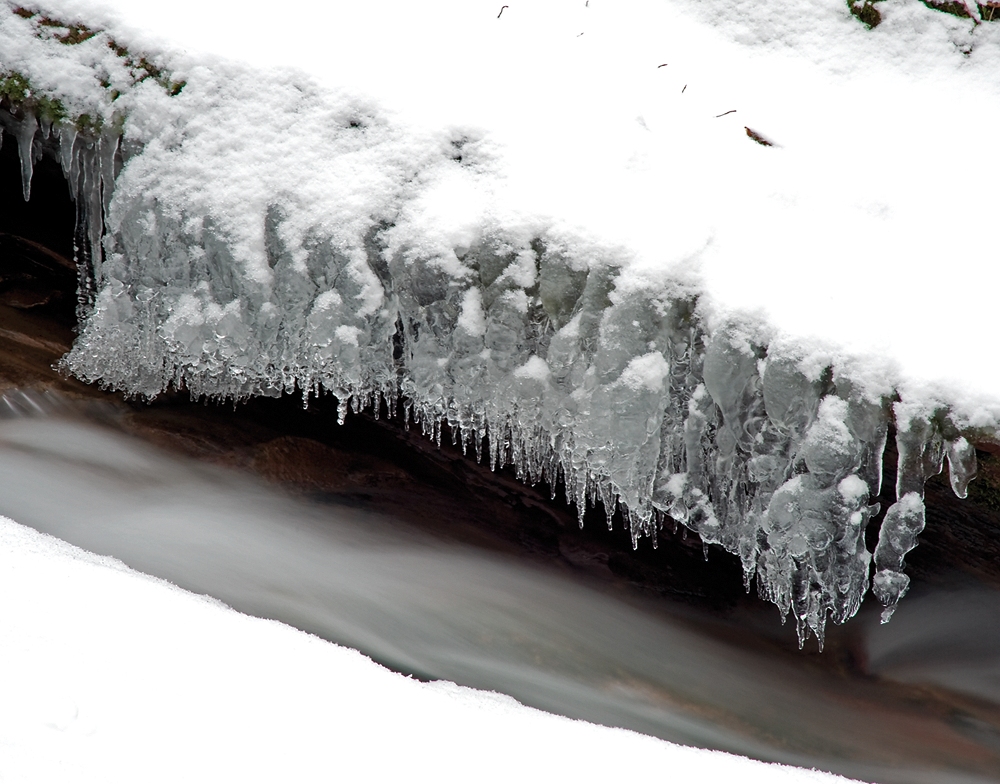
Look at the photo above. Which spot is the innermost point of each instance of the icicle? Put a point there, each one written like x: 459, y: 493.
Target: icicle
x: 94, y: 210
x: 922, y: 452
x: 67, y: 134
x: 25, y: 132
x: 961, y: 466
x: 107, y: 150
x: 898, y: 535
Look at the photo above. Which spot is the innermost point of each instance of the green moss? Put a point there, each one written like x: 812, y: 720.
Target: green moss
x: 866, y: 11
x: 953, y: 8
x: 18, y: 95
x: 144, y: 69
x: 50, y: 109
x: 88, y: 124
x: 69, y: 34
x: 988, y: 11
x: 16, y: 90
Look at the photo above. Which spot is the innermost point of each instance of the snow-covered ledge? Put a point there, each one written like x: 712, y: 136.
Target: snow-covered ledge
x: 254, y: 231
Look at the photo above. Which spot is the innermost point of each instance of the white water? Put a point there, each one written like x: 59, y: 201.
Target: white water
x: 444, y: 611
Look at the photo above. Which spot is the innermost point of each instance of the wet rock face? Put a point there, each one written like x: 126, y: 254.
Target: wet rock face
x: 961, y: 543
x: 35, y: 277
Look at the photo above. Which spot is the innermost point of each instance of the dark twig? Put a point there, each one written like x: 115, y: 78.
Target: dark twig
x: 501, y: 11
x: 683, y: 89
x: 758, y: 138
x: 663, y: 65
x: 731, y: 111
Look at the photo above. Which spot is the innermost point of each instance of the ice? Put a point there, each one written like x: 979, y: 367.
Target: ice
x: 24, y: 130
x: 254, y: 232
x: 961, y: 466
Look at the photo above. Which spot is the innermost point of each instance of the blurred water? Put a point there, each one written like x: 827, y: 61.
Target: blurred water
x: 950, y: 638
x: 447, y: 611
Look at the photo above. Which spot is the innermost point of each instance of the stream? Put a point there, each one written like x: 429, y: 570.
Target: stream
x: 926, y: 708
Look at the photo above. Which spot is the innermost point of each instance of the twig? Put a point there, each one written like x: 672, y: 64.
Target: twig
x: 501, y: 11
x: 683, y: 89
x: 731, y: 111
x: 663, y: 65
x: 758, y: 138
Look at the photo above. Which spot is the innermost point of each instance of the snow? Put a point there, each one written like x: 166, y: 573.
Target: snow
x: 880, y: 182
x: 113, y: 676
x: 577, y: 184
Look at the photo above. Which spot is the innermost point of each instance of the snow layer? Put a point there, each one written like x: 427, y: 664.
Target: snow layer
x: 558, y: 227
x: 113, y: 676
x: 883, y: 139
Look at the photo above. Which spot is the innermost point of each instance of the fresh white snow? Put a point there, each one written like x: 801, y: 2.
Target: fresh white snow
x: 865, y: 226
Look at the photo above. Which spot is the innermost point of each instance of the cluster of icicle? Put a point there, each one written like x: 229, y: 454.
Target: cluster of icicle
x: 569, y: 371
x: 89, y: 163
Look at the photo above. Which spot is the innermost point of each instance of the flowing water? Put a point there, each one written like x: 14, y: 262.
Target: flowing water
x: 927, y: 708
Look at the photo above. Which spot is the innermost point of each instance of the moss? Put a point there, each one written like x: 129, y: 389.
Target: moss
x: 64, y: 33
x: 50, y: 109
x: 88, y: 124
x: 14, y: 88
x: 866, y: 11
x: 16, y: 91
x: 988, y: 11
x: 18, y: 94
x: 69, y: 34
x: 953, y: 8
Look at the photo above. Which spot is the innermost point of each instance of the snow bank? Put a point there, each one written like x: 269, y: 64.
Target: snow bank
x: 559, y: 227
x: 113, y: 676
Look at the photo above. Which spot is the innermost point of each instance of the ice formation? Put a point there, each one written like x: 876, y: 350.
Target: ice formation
x: 254, y: 235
